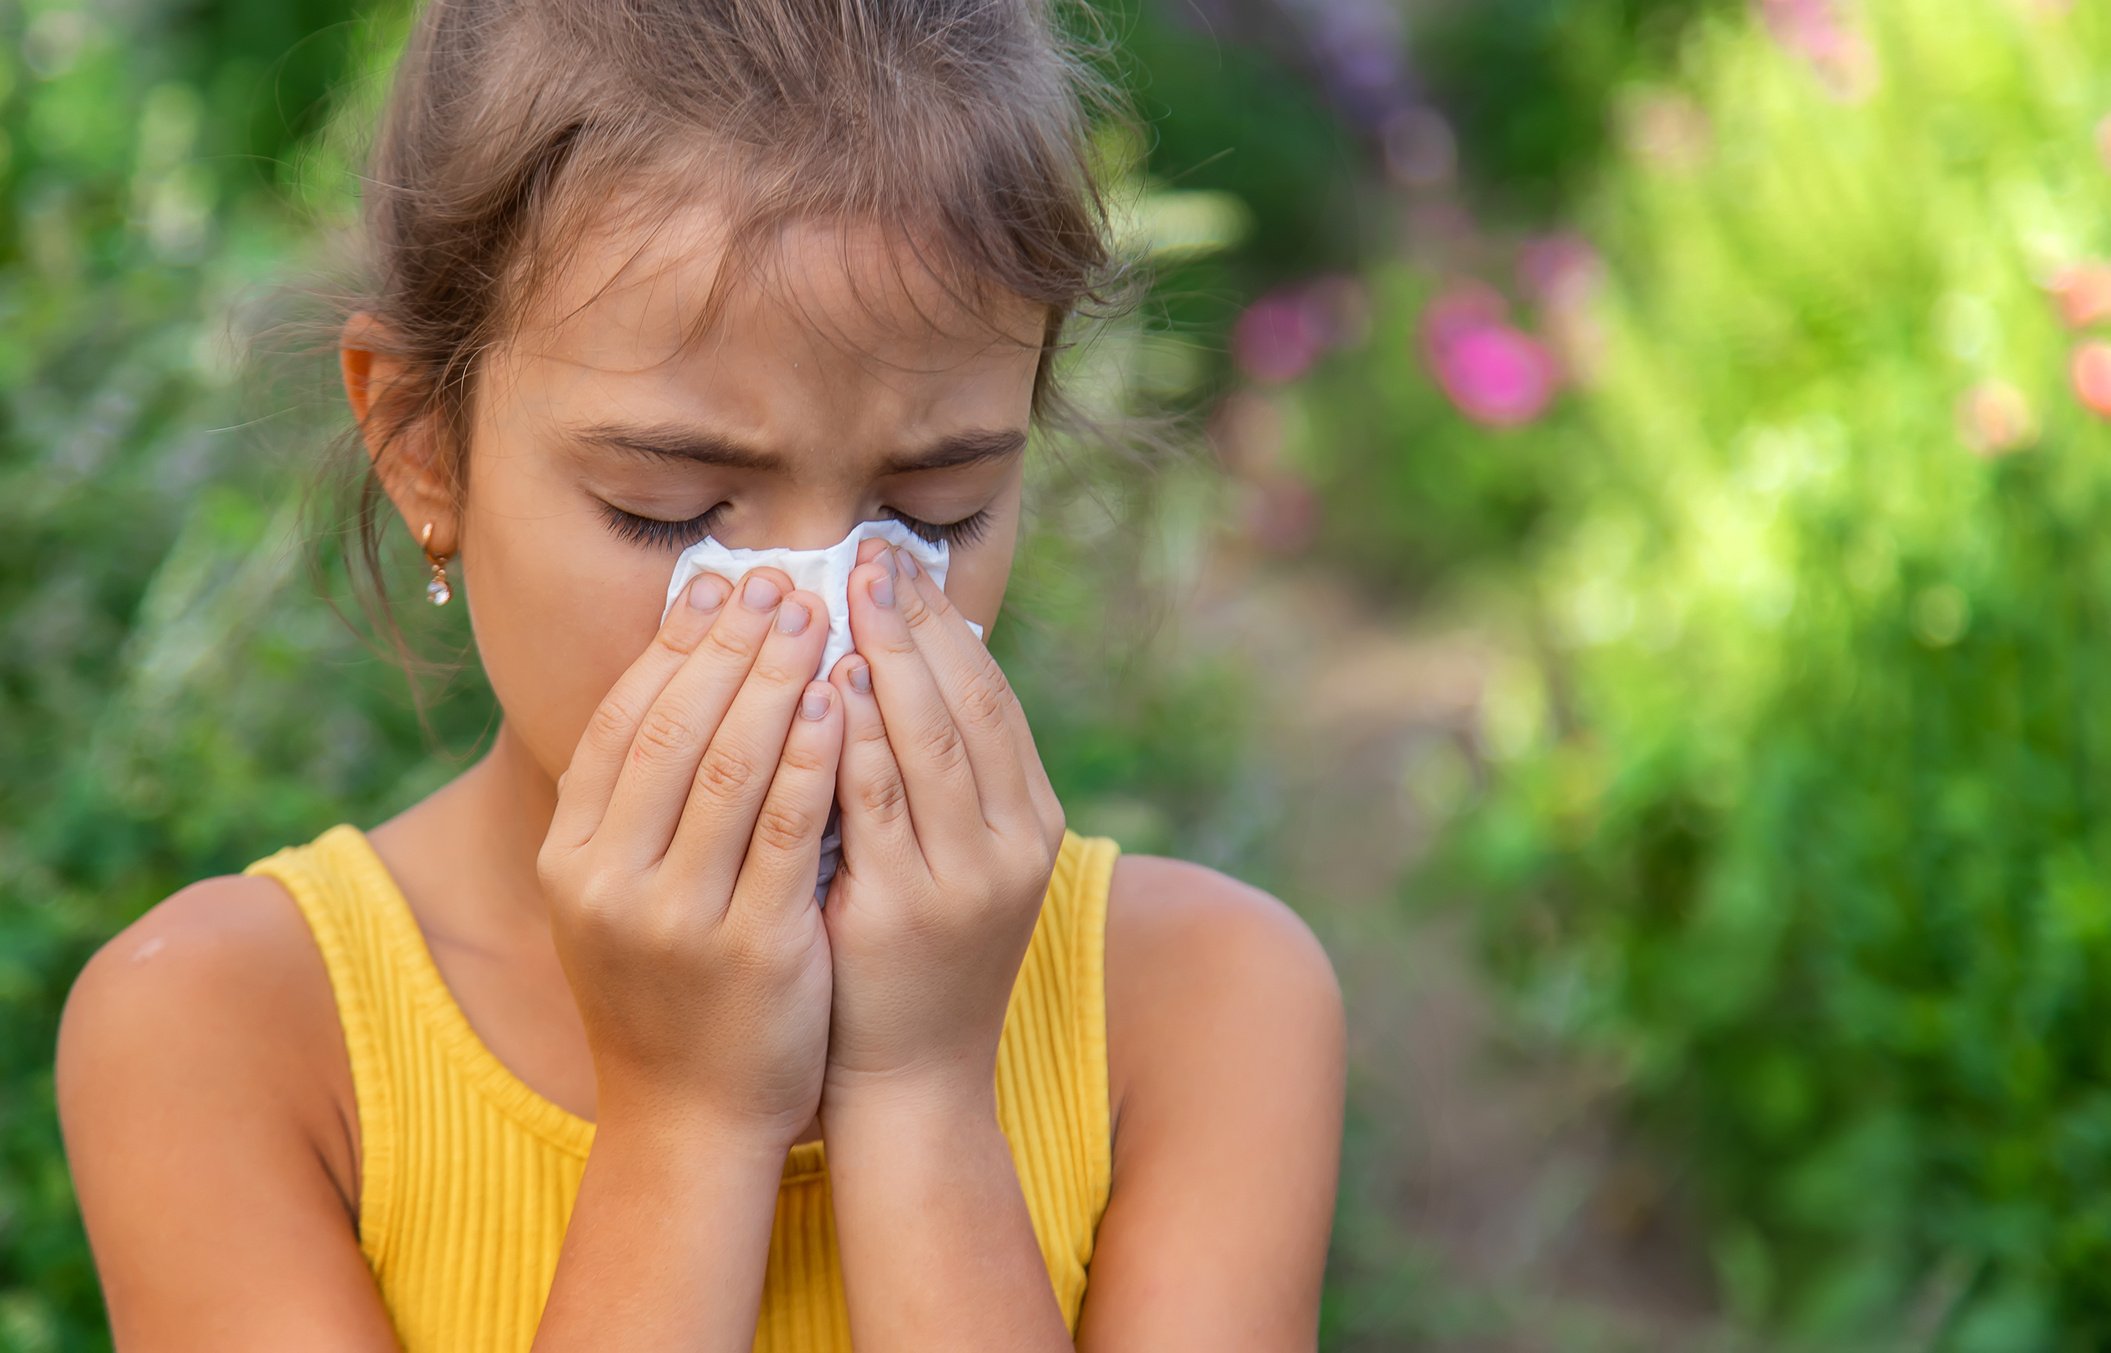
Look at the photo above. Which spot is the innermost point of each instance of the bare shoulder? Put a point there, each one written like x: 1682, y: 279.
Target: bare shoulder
x: 216, y: 994
x: 1227, y: 1048
x: 199, y: 1073
x: 1155, y: 899
x: 1184, y: 940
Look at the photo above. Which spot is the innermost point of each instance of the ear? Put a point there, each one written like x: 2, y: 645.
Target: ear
x: 409, y: 467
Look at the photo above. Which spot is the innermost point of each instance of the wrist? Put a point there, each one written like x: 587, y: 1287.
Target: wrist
x: 894, y: 1146
x: 897, y: 1100
x: 691, y: 1132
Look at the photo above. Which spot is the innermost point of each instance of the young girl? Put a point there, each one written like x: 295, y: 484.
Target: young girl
x: 568, y: 1055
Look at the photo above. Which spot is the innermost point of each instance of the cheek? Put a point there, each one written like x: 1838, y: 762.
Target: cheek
x: 976, y: 579
x: 560, y: 608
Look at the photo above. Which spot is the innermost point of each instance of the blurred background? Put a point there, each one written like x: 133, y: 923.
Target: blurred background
x: 1640, y: 593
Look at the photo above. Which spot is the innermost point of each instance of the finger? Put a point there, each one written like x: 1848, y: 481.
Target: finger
x: 944, y: 807
x: 784, y: 851
x: 583, y: 791
x: 877, y: 832
x: 646, y: 802
x: 977, y: 695
x: 1047, y: 806
x: 718, y: 810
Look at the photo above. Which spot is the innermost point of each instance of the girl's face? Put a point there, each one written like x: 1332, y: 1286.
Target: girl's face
x: 851, y: 389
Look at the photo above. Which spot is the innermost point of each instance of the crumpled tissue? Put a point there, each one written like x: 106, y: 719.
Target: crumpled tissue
x: 826, y: 573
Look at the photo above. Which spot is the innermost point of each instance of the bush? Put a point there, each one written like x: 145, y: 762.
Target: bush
x: 1795, y: 808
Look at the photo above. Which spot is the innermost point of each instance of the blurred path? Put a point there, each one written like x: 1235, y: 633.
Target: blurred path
x: 1487, y: 1205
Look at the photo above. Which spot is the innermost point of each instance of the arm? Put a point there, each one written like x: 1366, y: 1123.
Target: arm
x: 216, y: 1175
x: 1226, y: 1020
x: 1230, y: 1027
x: 937, y: 1246
x: 201, y: 1135
x: 668, y: 1241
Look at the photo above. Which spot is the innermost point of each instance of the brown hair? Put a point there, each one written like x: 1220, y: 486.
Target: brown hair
x: 512, y: 127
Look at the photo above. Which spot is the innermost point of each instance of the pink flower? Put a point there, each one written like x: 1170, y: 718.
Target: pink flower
x: 1463, y: 308
x: 2083, y: 292
x: 1498, y: 376
x: 2090, y: 370
x: 1811, y: 27
x: 1495, y: 374
x: 1994, y: 419
x: 1814, y: 29
x: 1278, y: 337
x: 1558, y: 269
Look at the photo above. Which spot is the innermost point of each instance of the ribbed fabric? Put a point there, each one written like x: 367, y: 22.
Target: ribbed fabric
x: 468, y: 1176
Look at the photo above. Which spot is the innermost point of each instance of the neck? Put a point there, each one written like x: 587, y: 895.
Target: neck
x: 482, y: 831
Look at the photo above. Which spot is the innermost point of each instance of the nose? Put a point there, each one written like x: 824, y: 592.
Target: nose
x: 808, y: 530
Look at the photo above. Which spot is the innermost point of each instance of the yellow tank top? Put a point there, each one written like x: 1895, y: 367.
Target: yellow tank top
x: 468, y: 1176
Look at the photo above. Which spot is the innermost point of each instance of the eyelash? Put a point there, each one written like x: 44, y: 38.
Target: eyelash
x: 671, y: 534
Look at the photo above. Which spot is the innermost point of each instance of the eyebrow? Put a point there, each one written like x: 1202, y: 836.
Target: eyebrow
x: 667, y: 441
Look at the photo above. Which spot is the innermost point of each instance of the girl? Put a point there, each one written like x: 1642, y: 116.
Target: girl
x: 567, y: 1056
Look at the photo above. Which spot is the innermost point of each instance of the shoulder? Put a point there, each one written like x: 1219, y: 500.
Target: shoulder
x: 1158, y: 897
x: 1201, y: 965
x: 1227, y: 1048
x: 215, y: 999
x: 206, y: 1159
x: 225, y: 955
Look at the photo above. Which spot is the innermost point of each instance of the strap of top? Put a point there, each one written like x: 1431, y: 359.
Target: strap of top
x: 354, y: 941
x: 1078, y: 892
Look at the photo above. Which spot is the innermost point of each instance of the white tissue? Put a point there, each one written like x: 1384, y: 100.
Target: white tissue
x: 826, y: 573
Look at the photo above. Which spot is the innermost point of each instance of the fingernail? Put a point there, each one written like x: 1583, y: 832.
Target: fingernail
x: 759, y: 593
x: 861, y: 678
x: 792, y: 617
x: 815, y: 705
x: 908, y: 564
x: 883, y: 590
x: 887, y: 561
x: 707, y: 593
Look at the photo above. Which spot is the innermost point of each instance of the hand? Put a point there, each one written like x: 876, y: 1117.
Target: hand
x: 950, y: 833
x: 680, y: 867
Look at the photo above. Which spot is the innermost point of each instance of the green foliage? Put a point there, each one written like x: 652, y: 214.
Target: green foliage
x: 134, y: 547
x: 1795, y: 809
x: 1529, y: 85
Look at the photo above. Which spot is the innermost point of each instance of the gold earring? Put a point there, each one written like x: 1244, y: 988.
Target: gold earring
x: 436, y: 590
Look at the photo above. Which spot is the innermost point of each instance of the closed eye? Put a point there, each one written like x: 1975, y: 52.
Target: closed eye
x: 654, y: 531
x: 661, y: 533
x: 966, y: 531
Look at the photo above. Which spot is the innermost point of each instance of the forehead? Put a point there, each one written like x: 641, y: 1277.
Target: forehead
x: 843, y: 300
